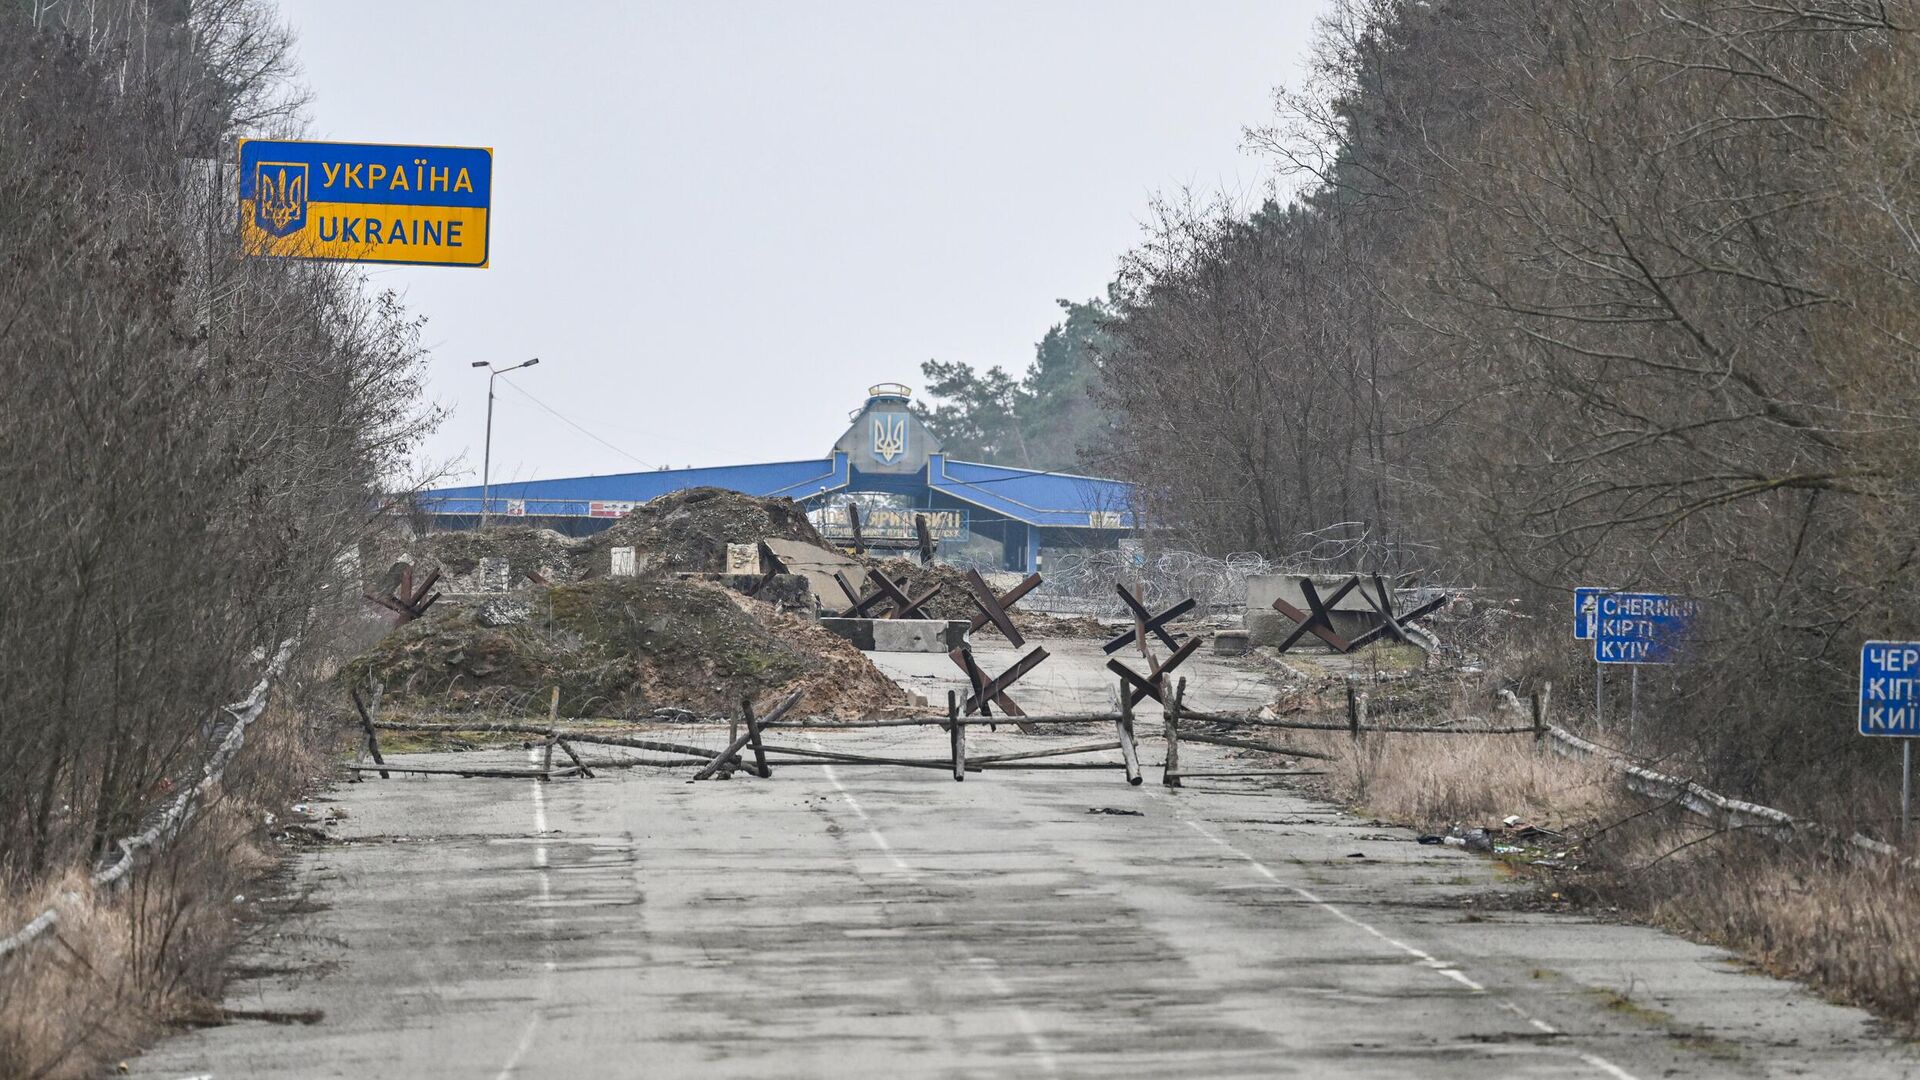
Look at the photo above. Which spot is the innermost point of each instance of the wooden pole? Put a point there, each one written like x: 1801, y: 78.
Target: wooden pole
x: 798, y: 755
x: 1171, y: 776
x: 1253, y: 772
x: 1248, y: 744
x: 1052, y: 751
x: 704, y: 753
x: 1541, y: 699
x: 753, y: 737
x: 477, y: 770
x: 1124, y: 726
x: 734, y: 746
x: 373, y: 740
x: 1353, y: 709
x: 553, y: 716
x: 1035, y: 765
x: 957, y: 734
x: 578, y: 765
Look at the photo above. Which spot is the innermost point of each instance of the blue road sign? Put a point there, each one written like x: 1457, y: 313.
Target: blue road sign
x: 1642, y: 628
x: 1890, y: 688
x: 1586, y: 612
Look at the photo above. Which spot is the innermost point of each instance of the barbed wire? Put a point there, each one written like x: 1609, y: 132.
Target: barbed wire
x: 1082, y: 582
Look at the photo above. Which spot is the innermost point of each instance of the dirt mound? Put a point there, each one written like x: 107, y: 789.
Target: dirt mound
x: 688, y: 531
x: 621, y: 647
x: 953, y: 601
x: 527, y: 550
x: 846, y: 685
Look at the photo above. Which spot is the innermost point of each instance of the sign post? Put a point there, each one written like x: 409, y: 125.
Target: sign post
x: 1890, y: 705
x: 1637, y: 628
x: 1586, y: 613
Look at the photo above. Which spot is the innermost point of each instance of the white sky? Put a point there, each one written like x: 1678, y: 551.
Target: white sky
x: 718, y: 223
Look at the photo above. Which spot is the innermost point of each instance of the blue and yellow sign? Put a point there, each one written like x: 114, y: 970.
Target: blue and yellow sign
x: 362, y: 202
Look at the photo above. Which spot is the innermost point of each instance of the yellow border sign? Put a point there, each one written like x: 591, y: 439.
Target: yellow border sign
x: 366, y: 202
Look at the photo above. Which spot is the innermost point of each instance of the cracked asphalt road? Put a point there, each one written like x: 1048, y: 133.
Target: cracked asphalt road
x: 854, y: 921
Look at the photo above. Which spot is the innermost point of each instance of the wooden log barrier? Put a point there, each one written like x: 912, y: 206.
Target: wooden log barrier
x: 373, y: 740
x: 1248, y: 744
x: 579, y: 765
x: 942, y: 764
x: 640, y: 762
x: 1124, y: 728
x: 957, y: 736
x: 1058, y: 751
x: 1249, y: 772
x: 753, y: 738
x: 752, y: 733
x: 705, y: 753
x: 484, y: 771
x: 1037, y: 765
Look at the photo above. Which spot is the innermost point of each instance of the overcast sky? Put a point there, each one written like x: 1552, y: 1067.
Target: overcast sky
x: 717, y: 224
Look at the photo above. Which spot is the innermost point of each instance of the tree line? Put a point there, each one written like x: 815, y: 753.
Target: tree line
x: 1616, y: 293
x: 190, y: 442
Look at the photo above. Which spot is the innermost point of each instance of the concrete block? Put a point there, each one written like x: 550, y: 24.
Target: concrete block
x: 1352, y: 615
x: 818, y: 565
x: 1267, y: 627
x: 900, y: 635
x: 494, y: 576
x: 743, y: 559
x: 1230, y: 642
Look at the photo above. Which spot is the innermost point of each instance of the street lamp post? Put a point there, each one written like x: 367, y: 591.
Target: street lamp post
x: 486, y: 454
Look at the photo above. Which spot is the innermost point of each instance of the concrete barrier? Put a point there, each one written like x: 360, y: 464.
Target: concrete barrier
x: 901, y: 635
x: 1352, y: 615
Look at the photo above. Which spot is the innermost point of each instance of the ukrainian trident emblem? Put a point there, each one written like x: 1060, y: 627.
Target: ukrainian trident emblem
x: 889, y: 437
x: 280, y: 197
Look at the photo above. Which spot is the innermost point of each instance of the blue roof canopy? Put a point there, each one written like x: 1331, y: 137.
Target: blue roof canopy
x: 888, y: 448
x: 577, y: 496
x: 1050, y: 499
x: 1057, y: 500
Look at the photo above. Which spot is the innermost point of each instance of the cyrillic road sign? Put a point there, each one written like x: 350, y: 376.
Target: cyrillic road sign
x: 1890, y: 688
x: 1586, y: 612
x: 365, y: 202
x: 1641, y: 628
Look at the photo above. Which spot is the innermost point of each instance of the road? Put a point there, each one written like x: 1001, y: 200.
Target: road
x: 858, y: 921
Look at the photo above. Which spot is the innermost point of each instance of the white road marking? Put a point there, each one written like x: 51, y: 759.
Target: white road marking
x: 1425, y: 958
x: 879, y: 841
x: 984, y: 965
x: 546, y: 923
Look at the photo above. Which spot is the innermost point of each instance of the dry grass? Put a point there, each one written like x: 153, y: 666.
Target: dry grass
x: 1432, y: 781
x: 124, y: 965
x: 1843, y: 925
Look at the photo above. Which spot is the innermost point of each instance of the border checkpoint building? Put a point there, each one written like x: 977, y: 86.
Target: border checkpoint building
x: 886, y: 450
